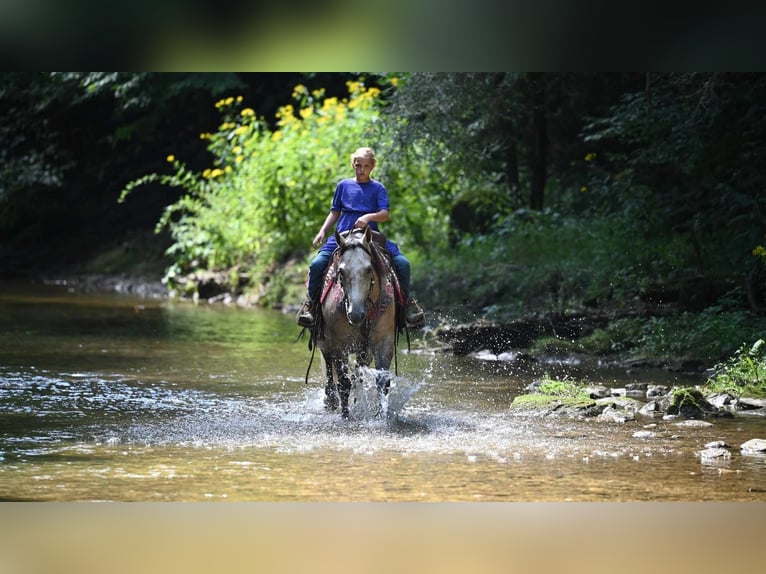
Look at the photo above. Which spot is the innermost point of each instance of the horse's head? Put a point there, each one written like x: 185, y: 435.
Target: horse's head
x: 356, y: 272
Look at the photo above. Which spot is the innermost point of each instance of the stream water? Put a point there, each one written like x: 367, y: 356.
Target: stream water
x: 108, y: 397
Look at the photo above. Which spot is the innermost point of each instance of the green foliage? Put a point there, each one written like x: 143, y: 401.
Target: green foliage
x: 561, y: 388
x: 549, y: 262
x: 269, y: 189
x: 709, y: 335
x: 552, y: 392
x: 743, y: 374
x: 691, y: 144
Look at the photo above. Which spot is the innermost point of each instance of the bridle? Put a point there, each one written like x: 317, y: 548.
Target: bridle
x: 338, y: 278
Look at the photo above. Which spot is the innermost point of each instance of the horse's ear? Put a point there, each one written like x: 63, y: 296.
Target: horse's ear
x: 339, y: 238
x: 367, y: 234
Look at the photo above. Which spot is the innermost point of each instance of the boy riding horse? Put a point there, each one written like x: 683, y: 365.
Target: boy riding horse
x: 358, y: 202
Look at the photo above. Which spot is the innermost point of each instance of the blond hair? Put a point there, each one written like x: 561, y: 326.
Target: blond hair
x: 363, y: 153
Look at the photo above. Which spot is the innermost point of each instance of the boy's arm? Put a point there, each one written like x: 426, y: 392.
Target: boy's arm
x: 378, y: 217
x: 329, y: 221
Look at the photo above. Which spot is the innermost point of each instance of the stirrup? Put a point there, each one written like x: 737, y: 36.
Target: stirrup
x: 414, y: 315
x: 305, y: 317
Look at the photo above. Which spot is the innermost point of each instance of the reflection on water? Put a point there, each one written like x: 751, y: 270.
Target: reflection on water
x: 110, y: 398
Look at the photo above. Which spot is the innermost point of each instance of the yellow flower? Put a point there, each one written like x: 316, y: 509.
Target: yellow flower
x: 171, y: 158
x: 240, y: 130
x: 306, y: 113
x: 205, y: 136
x: 394, y: 81
x: 238, y: 159
x: 330, y: 103
x: 237, y: 149
x: 759, y: 251
x: 247, y: 112
x: 206, y: 173
x: 590, y: 156
x: 584, y: 188
x: 299, y: 90
x: 239, y: 99
x: 215, y: 173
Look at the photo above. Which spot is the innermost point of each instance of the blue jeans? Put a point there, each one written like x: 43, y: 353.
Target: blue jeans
x: 322, y: 260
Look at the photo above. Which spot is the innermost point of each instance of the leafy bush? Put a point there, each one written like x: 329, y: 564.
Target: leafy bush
x: 743, y: 374
x: 549, y: 262
x: 268, y: 189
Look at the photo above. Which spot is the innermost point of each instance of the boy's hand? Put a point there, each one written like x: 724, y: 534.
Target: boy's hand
x: 318, y: 239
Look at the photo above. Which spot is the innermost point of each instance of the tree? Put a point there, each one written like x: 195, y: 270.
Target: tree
x: 507, y: 134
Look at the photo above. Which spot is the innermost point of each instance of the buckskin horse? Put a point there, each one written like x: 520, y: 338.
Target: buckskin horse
x: 357, y: 314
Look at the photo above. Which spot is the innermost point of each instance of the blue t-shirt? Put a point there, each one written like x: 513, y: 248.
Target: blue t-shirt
x: 354, y: 199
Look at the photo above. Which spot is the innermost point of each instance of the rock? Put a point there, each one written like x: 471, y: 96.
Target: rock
x: 615, y: 415
x: 716, y: 444
x: 654, y: 391
x: 719, y: 400
x: 748, y: 403
x: 694, y: 423
x: 636, y: 387
x: 753, y: 446
x: 597, y: 391
x: 644, y: 434
x: 618, y: 410
x: 650, y: 408
x: 713, y: 454
x: 689, y: 403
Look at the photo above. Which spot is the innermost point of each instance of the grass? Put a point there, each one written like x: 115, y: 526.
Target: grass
x: 743, y: 374
x: 552, y: 393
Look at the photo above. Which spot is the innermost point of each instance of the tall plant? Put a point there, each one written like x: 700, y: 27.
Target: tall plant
x: 268, y: 187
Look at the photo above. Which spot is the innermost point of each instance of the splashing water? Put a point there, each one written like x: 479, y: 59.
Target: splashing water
x: 368, y: 402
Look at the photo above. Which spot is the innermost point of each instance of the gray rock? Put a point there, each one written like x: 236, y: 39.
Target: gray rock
x: 598, y: 391
x: 644, y: 434
x: 719, y: 400
x: 713, y: 454
x: 650, y: 408
x: 692, y: 423
x: 755, y: 445
x: 717, y: 444
x: 617, y: 415
x: 751, y: 403
x: 654, y: 391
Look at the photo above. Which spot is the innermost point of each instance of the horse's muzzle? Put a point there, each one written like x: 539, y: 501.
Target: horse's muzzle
x: 355, y: 317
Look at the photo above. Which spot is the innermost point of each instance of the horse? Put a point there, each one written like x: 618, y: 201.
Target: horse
x: 359, y: 306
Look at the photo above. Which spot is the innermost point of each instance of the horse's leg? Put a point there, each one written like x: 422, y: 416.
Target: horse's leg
x: 383, y: 381
x: 344, y: 385
x: 382, y: 348
x: 330, y: 389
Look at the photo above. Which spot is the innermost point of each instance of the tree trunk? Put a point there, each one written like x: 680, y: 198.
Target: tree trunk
x: 540, y: 149
x: 511, y: 161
